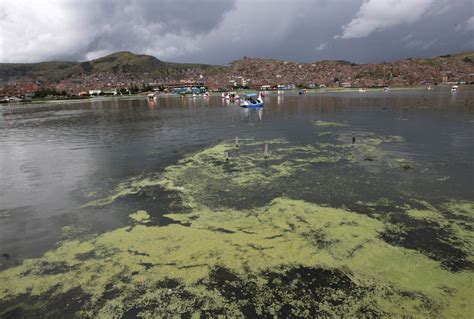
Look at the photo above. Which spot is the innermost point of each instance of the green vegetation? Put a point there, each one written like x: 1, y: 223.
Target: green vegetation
x: 119, y: 62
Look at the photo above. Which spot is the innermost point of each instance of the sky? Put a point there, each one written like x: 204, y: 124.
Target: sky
x: 220, y: 31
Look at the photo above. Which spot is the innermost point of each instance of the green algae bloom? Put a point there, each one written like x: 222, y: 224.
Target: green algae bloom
x: 281, y: 258
x: 234, y: 263
x: 210, y: 178
x: 129, y: 187
x: 333, y: 124
x: 140, y: 217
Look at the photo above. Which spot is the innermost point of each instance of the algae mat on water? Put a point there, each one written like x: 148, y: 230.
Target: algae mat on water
x: 207, y: 178
x: 290, y: 258
x: 285, y: 258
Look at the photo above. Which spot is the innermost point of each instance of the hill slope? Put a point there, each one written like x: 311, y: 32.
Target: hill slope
x: 116, y: 63
x: 123, y: 69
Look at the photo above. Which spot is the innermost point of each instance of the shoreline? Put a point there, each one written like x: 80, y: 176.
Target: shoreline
x: 43, y: 101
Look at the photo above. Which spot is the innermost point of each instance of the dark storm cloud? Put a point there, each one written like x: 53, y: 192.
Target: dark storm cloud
x: 219, y: 31
x: 172, y: 16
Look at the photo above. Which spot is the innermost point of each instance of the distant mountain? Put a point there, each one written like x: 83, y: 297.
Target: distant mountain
x: 116, y: 63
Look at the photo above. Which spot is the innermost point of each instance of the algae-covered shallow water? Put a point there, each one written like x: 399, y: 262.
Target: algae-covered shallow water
x: 129, y: 208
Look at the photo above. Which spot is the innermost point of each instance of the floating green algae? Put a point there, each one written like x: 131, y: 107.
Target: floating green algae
x: 325, y: 134
x: 140, y: 217
x: 326, y: 123
x: 208, y: 174
x: 289, y: 258
x: 424, y: 215
x: 279, y: 257
x: 129, y: 187
x: 74, y: 232
x: 442, y: 232
x: 211, y: 176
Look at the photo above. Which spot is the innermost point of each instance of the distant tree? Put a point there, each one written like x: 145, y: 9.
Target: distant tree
x: 48, y: 92
x: 467, y: 60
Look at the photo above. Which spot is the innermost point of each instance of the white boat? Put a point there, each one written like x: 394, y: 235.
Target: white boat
x: 230, y: 96
x: 454, y: 88
x: 386, y: 89
x: 429, y: 88
x: 253, y: 100
x: 362, y: 90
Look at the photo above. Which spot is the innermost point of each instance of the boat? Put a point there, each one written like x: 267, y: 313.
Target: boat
x: 232, y: 96
x: 386, y: 89
x: 454, y: 88
x: 252, y: 100
x: 429, y: 88
x: 151, y: 96
x: 362, y: 90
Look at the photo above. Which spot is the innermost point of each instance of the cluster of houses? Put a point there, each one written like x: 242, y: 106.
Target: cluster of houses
x: 263, y: 74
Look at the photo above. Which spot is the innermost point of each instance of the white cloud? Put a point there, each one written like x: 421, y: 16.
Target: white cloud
x: 321, y: 47
x: 375, y: 15
x: 39, y: 30
x: 27, y: 35
x: 469, y: 25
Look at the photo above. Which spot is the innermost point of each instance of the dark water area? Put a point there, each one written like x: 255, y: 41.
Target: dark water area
x: 53, y: 155
x: 130, y: 208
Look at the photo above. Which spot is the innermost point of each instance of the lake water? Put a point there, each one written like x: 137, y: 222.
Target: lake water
x: 74, y: 172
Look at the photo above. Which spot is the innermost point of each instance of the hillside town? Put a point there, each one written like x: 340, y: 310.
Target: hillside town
x: 249, y: 73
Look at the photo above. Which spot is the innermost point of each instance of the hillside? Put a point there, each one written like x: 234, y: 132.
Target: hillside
x: 116, y: 63
x: 454, y: 67
x: 127, y: 70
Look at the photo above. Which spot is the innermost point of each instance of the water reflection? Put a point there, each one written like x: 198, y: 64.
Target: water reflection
x: 279, y: 99
x: 151, y: 104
